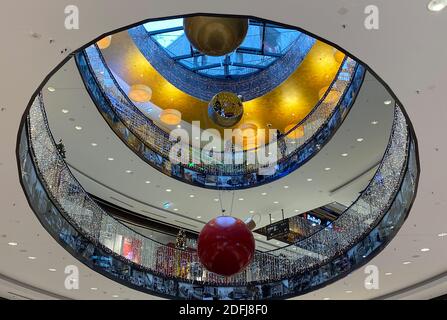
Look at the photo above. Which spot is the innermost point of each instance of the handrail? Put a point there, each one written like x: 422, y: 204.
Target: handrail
x: 311, y: 253
x: 346, y: 61
x: 283, y: 137
x: 323, y: 116
x: 333, y: 223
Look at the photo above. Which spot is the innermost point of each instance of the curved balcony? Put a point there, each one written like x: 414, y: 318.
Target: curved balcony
x: 220, y: 170
x: 90, y: 234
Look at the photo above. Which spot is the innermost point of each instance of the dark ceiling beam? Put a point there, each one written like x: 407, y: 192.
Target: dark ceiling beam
x: 263, y: 38
x: 245, y: 65
x: 167, y: 30
x: 209, y: 66
x: 187, y: 56
x: 258, y: 52
x: 268, y: 25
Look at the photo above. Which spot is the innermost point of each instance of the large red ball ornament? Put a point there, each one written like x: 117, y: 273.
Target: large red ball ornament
x: 226, y: 246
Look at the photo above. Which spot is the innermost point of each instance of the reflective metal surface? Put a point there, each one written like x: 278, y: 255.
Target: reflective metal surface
x: 225, y: 109
x: 215, y: 36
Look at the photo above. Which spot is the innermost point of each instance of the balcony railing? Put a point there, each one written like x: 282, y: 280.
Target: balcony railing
x: 97, y: 239
x: 153, y: 145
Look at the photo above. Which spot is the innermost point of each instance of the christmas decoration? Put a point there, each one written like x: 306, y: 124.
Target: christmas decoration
x: 226, y: 246
x: 225, y: 109
x: 215, y: 36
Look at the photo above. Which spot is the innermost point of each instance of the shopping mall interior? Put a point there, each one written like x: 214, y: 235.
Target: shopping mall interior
x: 167, y: 150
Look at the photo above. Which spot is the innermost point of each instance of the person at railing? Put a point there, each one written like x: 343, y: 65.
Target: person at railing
x: 282, y: 147
x: 61, y: 149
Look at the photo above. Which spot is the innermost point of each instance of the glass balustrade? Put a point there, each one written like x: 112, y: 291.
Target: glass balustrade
x: 108, y: 246
x: 226, y: 169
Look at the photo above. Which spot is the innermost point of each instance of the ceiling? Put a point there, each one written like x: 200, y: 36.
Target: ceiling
x: 192, y: 206
x: 405, y: 52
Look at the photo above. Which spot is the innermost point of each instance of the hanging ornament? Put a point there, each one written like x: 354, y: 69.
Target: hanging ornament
x: 226, y: 246
x: 225, y: 109
x: 215, y: 36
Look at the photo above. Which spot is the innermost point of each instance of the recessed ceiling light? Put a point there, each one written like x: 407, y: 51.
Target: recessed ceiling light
x: 115, y: 296
x: 79, y: 128
x: 52, y: 270
x: 444, y: 234
x: 175, y: 209
x: 197, y: 138
x: 387, y: 102
x: 65, y: 111
x: 13, y: 244
x: 326, y: 299
x: 147, y: 182
x: 129, y: 171
x: 110, y: 159
x: 296, y: 210
x: 374, y: 122
x: 273, y: 219
x: 264, y: 193
x: 94, y: 144
x: 241, y: 199
x: 360, y: 139
x: 168, y: 190
x: 32, y: 258
x: 51, y: 89
x: 191, y: 196
x: 437, y: 5
x: 344, y: 154
x: 388, y: 273
x: 199, y: 217
x: 309, y: 180
x: 179, y: 126
x: 216, y: 200
x: 327, y: 169
x: 251, y: 211
x: 276, y: 202
x: 425, y: 249
x: 348, y: 291
x: 406, y: 262
x: 286, y: 187
x: 94, y: 289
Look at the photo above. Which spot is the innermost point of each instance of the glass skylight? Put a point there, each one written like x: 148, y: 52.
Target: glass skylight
x: 263, y: 45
